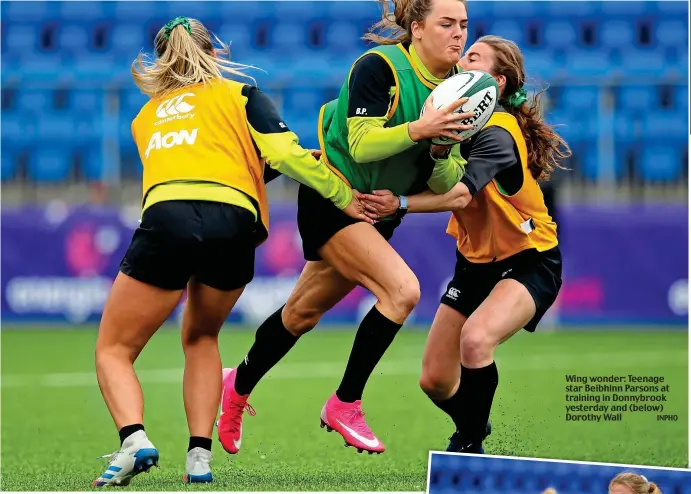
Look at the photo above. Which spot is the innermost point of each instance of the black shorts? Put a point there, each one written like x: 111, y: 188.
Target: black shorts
x: 319, y: 220
x: 539, y: 272
x: 177, y: 240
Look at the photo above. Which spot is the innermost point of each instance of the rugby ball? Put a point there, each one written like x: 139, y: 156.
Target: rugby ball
x: 482, y: 91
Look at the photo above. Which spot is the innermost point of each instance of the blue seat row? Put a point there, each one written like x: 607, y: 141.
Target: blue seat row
x: 58, y: 160
x: 629, y: 100
x: 130, y: 36
x: 345, y: 8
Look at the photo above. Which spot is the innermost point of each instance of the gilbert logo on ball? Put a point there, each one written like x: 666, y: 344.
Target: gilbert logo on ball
x: 482, y: 92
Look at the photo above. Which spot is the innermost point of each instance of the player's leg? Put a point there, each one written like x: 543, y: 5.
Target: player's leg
x: 144, y: 294
x: 360, y: 253
x: 517, y: 301
x: 224, y: 267
x: 319, y: 288
x: 441, y: 368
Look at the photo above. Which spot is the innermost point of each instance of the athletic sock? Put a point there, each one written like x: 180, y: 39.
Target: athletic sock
x: 373, y: 338
x: 128, y: 430
x: 476, y: 392
x: 271, y: 343
x: 199, y: 442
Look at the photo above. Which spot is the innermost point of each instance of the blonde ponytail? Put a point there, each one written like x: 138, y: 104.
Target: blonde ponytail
x: 185, y: 55
x: 637, y: 483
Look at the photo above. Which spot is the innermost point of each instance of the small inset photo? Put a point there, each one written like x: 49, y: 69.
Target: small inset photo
x: 451, y: 473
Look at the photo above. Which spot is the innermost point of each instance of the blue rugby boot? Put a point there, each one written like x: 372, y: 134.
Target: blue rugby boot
x: 197, y: 467
x: 136, y: 455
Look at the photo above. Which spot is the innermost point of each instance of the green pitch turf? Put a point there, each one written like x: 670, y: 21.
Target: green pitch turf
x: 54, y: 422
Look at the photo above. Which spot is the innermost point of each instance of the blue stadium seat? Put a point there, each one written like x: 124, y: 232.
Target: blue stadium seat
x: 34, y: 100
x: 580, y: 98
x: 361, y: 11
x: 637, y: 98
x: 617, y: 33
x: 17, y: 130
x: 247, y: 12
x: 137, y: 11
x: 588, y: 65
x: 561, y: 34
x: 28, y: 11
x: 673, y: 9
x: 238, y: 36
x: 22, y: 38
x: 672, y: 32
x: 303, y: 101
x: 127, y: 39
x: 82, y: 11
x: 509, y: 29
x: 516, y: 9
x: 55, y: 127
x: 50, y: 164
x: 570, y: 10
x: 627, y: 8
x: 667, y: 124
x: 643, y: 63
x: 659, y: 163
x: 73, y: 38
x: 290, y: 36
x: 344, y: 37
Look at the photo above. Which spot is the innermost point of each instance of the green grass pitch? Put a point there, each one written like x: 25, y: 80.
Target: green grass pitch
x: 55, y: 424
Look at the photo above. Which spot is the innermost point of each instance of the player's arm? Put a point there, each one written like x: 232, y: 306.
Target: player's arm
x: 279, y: 147
x: 369, y: 101
x: 447, y: 171
x: 492, y: 155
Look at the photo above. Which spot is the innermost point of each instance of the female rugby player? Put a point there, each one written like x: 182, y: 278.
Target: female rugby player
x: 374, y: 137
x: 204, y: 212
x: 508, y: 270
x: 632, y: 483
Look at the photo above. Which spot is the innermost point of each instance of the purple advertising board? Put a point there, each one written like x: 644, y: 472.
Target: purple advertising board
x: 622, y: 265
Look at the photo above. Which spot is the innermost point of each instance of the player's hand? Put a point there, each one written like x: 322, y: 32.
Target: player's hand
x: 439, y: 123
x: 316, y: 153
x: 380, y: 204
x: 356, y: 209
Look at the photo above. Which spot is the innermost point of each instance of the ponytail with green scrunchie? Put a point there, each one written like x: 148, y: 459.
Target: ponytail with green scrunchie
x: 178, y: 21
x: 517, y: 98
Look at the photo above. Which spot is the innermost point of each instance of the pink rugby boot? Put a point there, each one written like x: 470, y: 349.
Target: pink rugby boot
x: 233, y: 406
x: 348, y: 420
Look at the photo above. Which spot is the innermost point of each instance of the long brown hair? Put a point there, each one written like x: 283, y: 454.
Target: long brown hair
x: 398, y: 22
x: 185, y: 55
x: 545, y: 147
x: 637, y: 483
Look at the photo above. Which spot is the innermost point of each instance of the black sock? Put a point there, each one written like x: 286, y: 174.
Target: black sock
x: 475, y: 393
x: 199, y: 442
x: 271, y: 343
x: 128, y: 430
x: 373, y: 338
x: 452, y: 406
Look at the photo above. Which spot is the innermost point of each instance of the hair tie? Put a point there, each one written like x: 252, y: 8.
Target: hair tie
x: 517, y: 98
x: 178, y: 21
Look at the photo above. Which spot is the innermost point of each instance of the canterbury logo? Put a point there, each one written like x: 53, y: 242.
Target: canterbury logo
x: 174, y: 106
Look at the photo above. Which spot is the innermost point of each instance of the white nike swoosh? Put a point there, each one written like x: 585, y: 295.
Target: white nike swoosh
x: 223, y: 393
x: 239, y: 441
x: 372, y: 443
